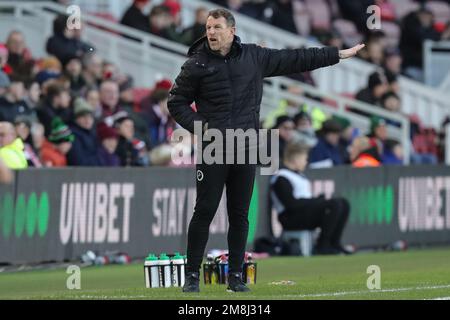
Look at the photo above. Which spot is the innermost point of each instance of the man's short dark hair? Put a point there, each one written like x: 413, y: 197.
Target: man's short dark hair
x: 217, y: 13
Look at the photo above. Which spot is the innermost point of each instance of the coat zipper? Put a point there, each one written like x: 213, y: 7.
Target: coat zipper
x: 231, y: 89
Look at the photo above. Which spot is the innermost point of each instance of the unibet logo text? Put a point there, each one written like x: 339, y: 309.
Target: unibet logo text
x: 424, y: 203
x: 95, y: 212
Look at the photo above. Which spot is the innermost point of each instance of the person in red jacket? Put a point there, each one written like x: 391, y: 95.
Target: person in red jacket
x: 59, y: 143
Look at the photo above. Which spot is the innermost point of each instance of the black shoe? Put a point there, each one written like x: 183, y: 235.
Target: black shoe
x: 326, y: 250
x: 192, y: 283
x: 235, y: 283
x: 343, y: 250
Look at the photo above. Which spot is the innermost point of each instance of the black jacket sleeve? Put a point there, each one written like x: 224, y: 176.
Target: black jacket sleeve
x: 182, y: 95
x: 288, y: 61
x: 284, y: 192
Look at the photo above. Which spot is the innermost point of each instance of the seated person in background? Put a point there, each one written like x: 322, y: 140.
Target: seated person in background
x: 304, y: 131
x: 298, y: 210
x: 326, y: 152
x: 365, y: 152
x: 54, y: 151
x: 392, y: 153
x: 11, y: 147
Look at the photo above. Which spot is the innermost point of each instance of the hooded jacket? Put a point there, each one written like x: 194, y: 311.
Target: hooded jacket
x: 227, y: 90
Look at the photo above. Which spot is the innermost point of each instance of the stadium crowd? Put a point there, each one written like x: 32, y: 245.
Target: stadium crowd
x: 73, y: 108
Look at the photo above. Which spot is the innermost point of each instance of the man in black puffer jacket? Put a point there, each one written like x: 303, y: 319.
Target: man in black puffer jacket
x: 225, y: 79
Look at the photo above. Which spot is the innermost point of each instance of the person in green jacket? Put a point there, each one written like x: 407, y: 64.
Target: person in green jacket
x: 11, y: 147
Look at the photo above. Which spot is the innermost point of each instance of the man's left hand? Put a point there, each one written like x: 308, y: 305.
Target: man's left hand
x: 347, y: 53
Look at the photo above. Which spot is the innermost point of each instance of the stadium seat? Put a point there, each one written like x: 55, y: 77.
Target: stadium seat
x: 305, y: 239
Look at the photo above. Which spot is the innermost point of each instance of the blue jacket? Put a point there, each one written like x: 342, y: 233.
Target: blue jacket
x: 324, y: 151
x: 85, y: 148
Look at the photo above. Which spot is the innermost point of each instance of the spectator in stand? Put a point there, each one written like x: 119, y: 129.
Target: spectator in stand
x: 377, y: 86
x: 304, y: 131
x: 92, y: 69
x: 108, y: 139
x: 162, y: 24
x: 64, y: 43
x: 32, y: 96
x: 391, y: 102
x: 392, y: 153
x: 356, y: 11
x: 84, y: 151
x: 19, y: 56
x: 154, y: 110
x: 282, y: 15
x: 326, y: 152
x: 365, y: 152
x: 55, y: 103
x: 54, y: 151
x: 393, y: 62
x: 11, y: 147
x: 51, y: 69
x: 135, y: 17
x: 244, y: 7
x: 4, y: 66
x: 109, y: 98
x: 12, y: 103
x: 346, y: 137
x: 286, y: 133
x: 92, y: 97
x: 73, y: 71
x: 197, y: 30
x: 378, y: 129
x: 23, y: 125
x: 416, y: 27
x: 37, y: 136
x: 126, y: 103
x: 126, y: 151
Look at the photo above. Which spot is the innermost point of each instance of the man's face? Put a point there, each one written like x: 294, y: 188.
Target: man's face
x: 126, y: 129
x: 220, y: 35
x: 381, y: 132
x: 17, y: 90
x: 64, y: 147
x: 16, y: 43
x: 109, y: 94
x: 85, y: 121
x: 286, y: 130
x: 332, y: 138
x: 7, y: 134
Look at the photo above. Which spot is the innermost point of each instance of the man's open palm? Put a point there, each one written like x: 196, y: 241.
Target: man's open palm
x: 347, y: 53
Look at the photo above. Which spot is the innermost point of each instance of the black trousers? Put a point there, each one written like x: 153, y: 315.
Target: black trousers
x: 211, y: 179
x: 329, y: 215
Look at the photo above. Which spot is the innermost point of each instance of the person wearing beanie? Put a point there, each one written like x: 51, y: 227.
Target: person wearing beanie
x: 326, y: 153
x: 109, y: 140
x: 286, y: 127
x: 84, y: 151
x: 126, y: 151
x: 59, y: 143
x: 345, y: 140
x: 365, y: 152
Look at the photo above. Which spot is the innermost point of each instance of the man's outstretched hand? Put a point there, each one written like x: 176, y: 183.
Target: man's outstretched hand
x: 347, y: 53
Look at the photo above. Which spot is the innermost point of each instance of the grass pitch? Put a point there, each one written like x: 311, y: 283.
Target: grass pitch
x: 415, y: 274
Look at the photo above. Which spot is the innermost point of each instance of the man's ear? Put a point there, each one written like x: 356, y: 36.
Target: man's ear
x: 233, y: 30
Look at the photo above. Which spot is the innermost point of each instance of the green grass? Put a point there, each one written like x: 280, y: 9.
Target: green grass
x: 415, y: 274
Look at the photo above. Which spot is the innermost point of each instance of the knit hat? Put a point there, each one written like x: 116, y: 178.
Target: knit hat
x: 163, y: 84
x: 331, y: 126
x: 60, y: 132
x: 4, y: 80
x: 81, y: 107
x: 106, y: 132
x: 343, y: 122
x: 376, y: 122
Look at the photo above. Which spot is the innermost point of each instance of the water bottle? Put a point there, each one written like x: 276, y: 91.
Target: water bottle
x: 165, y: 276
x: 151, y: 270
x: 208, y: 269
x: 223, y: 270
x: 250, y: 270
x: 178, y: 270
